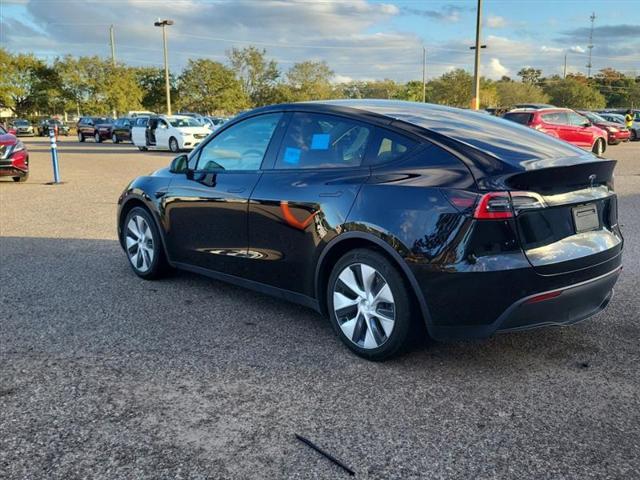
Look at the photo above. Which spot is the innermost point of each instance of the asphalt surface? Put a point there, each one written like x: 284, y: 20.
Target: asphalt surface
x: 104, y: 375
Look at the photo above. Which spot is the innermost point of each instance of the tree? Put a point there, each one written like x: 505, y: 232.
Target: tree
x: 207, y: 86
x: 617, y: 88
x: 151, y: 81
x: 310, y: 81
x: 257, y: 74
x: 23, y: 83
x: 571, y: 93
x: 122, y: 90
x: 455, y: 88
x: 512, y: 93
x: 530, y: 75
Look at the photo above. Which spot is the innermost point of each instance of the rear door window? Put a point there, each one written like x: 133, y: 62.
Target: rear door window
x: 577, y: 120
x: 323, y: 141
x: 555, y: 118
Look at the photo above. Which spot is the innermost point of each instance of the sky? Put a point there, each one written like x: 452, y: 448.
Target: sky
x: 359, y: 39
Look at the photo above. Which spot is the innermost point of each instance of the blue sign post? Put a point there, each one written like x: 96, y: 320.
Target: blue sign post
x: 54, y: 156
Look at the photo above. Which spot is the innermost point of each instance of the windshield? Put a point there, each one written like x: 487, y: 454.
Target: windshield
x: 21, y: 123
x: 594, y: 117
x: 97, y: 120
x: 184, y: 122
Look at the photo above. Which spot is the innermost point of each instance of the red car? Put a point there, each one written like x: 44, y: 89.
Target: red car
x: 14, y: 158
x: 615, y: 132
x: 564, y: 124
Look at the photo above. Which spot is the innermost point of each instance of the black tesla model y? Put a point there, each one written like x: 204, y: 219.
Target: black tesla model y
x: 382, y: 214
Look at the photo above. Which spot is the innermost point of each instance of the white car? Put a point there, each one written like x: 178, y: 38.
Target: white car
x: 175, y: 133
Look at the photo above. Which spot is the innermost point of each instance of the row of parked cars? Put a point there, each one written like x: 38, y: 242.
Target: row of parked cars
x: 168, y: 132
x: 584, y: 129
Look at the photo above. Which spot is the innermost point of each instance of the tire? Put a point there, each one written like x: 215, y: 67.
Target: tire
x: 22, y: 178
x: 598, y: 147
x: 173, y: 145
x: 97, y: 138
x: 143, y: 245
x: 373, y: 329
x: 142, y: 149
x: 114, y: 138
x: 80, y: 137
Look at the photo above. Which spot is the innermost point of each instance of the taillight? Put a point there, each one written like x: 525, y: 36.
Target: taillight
x: 494, y: 206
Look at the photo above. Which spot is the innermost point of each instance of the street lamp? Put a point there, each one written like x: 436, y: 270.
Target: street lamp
x: 164, y: 23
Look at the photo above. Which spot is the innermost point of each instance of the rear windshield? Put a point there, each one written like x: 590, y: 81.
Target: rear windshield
x: 102, y: 120
x: 520, y: 117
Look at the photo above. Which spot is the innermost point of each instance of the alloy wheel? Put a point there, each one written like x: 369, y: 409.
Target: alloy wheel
x: 364, y: 306
x: 139, y: 243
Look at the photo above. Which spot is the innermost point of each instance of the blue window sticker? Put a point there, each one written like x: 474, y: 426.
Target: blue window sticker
x: 320, y: 141
x: 292, y: 155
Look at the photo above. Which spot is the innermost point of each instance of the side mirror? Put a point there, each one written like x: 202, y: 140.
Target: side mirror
x: 179, y: 164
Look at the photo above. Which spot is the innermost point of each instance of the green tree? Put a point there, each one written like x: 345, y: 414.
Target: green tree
x: 616, y: 87
x: 121, y: 89
x: 310, y: 81
x: 208, y: 87
x: 151, y: 82
x: 257, y: 74
x: 455, y: 88
x: 530, y: 75
x: 23, y: 83
x: 511, y: 93
x: 572, y: 93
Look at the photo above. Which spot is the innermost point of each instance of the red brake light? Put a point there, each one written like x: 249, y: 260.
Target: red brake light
x: 494, y: 206
x: 544, y: 296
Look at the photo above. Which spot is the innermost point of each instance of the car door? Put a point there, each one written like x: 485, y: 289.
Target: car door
x: 555, y: 123
x: 162, y: 133
x: 139, y: 132
x: 125, y: 132
x: 206, y: 209
x: 581, y: 129
x: 303, y: 199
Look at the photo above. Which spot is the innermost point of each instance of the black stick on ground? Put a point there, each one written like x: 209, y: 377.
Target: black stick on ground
x: 326, y: 454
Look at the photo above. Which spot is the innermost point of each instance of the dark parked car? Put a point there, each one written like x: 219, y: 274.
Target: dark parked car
x: 23, y: 128
x: 45, y: 125
x: 615, y: 132
x: 14, y: 158
x: 385, y: 215
x: 98, y: 128
x: 121, y: 131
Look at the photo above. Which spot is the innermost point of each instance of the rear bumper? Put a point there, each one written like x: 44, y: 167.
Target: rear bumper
x: 564, y: 306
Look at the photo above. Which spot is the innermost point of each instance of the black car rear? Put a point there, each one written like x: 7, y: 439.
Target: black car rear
x: 363, y: 209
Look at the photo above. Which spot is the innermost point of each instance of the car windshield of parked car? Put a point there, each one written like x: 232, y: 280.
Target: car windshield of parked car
x: 21, y: 123
x: 614, y: 117
x: 594, y: 117
x: 323, y: 141
x: 184, y: 122
x: 2, y: 130
x: 241, y: 146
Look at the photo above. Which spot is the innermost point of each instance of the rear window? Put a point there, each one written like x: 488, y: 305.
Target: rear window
x: 520, y: 117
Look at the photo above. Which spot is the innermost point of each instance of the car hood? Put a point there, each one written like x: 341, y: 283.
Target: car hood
x: 193, y: 130
x: 7, y: 139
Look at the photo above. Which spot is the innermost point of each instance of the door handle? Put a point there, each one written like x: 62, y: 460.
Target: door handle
x: 331, y: 194
x: 236, y: 190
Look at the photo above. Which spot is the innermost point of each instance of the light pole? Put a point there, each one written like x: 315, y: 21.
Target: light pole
x: 475, y: 102
x: 164, y: 23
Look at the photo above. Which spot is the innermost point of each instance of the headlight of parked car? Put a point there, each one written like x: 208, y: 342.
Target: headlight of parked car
x: 19, y: 146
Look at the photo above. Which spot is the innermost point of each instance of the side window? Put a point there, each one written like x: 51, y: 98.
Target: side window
x: 577, y: 120
x: 391, y: 146
x: 556, y: 118
x: 240, y: 147
x: 323, y: 141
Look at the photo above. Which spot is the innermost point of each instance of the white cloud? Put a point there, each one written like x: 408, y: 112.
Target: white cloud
x: 577, y: 49
x: 495, y: 69
x: 342, y: 79
x: 544, y: 48
x: 495, y: 21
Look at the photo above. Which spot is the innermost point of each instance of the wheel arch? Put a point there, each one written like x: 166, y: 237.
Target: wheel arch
x: 352, y: 240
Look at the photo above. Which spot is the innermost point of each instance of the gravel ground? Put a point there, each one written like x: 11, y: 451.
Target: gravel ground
x: 103, y: 375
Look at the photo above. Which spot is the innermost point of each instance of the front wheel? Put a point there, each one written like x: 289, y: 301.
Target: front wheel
x: 173, y: 145
x: 21, y: 178
x: 598, y: 147
x: 114, y: 138
x: 143, y: 245
x: 80, y: 137
x: 97, y: 138
x: 369, y: 304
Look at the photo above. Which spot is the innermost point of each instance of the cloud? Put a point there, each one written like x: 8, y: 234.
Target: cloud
x: 577, y: 49
x: 603, y: 33
x: 495, y: 69
x: 544, y: 48
x: 494, y: 21
x: 447, y: 13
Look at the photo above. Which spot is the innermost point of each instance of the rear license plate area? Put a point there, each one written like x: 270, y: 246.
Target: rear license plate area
x: 585, y: 217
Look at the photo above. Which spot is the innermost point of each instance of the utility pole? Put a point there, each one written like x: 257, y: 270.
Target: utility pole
x: 564, y: 75
x: 424, y: 75
x: 590, y: 46
x: 475, y: 102
x: 113, y: 59
x: 164, y: 24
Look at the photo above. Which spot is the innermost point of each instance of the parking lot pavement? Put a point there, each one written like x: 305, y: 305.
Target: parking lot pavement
x: 104, y: 375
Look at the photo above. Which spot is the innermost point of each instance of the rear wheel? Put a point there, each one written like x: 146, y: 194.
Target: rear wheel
x: 143, y: 244
x: 80, y: 137
x: 114, y: 138
x: 97, y: 138
x: 598, y: 147
x: 369, y: 304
